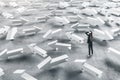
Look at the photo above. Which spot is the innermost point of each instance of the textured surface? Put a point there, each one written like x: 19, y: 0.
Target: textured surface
x: 66, y: 71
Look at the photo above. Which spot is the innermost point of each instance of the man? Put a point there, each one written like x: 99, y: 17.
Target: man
x: 90, y: 42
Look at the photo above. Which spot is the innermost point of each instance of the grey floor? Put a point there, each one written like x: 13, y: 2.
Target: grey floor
x: 66, y: 71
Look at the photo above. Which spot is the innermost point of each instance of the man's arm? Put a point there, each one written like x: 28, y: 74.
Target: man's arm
x: 87, y: 33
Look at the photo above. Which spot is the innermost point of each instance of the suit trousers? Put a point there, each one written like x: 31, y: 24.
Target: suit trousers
x: 90, y: 48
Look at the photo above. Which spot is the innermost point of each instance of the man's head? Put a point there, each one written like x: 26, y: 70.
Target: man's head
x: 89, y: 32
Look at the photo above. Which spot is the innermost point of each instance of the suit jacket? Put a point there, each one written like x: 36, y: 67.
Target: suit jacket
x: 90, y: 37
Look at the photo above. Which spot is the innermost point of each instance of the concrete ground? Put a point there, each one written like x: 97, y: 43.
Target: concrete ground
x: 101, y: 59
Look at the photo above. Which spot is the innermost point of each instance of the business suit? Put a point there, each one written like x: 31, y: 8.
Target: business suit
x: 90, y: 42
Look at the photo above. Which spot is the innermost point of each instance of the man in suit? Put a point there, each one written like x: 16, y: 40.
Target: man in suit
x: 90, y: 42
